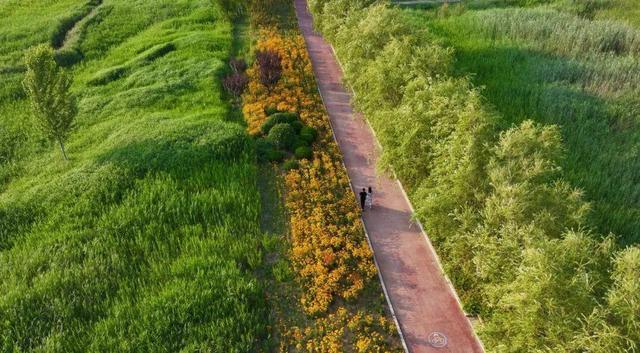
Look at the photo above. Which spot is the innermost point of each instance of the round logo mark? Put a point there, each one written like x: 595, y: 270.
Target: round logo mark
x: 437, y: 339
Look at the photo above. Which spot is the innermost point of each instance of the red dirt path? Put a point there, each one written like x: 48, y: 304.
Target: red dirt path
x: 421, y: 296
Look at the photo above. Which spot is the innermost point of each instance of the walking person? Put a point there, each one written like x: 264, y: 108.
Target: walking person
x: 369, y: 202
x: 363, y: 198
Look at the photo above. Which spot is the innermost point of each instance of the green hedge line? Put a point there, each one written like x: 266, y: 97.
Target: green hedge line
x: 510, y: 230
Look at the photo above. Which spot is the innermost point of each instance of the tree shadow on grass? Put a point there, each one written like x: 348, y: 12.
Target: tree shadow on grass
x: 180, y: 155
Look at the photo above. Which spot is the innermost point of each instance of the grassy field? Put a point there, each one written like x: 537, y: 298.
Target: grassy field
x: 556, y: 68
x: 625, y: 10
x: 148, y: 239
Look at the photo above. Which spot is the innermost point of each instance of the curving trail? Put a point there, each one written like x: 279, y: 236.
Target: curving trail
x: 73, y: 35
x: 424, y: 303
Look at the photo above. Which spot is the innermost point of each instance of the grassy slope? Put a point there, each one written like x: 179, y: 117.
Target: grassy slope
x: 22, y: 24
x: 624, y: 10
x: 148, y: 239
x: 584, y: 94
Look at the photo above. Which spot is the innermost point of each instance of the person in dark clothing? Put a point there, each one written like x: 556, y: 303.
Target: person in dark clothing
x: 363, y: 197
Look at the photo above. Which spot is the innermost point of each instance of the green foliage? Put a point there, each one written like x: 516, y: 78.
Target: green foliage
x: 107, y: 75
x: 553, y: 78
x: 271, y: 111
x: 555, y: 277
x: 526, y: 186
x: 308, y: 134
x: 275, y: 155
x: 277, y: 118
x: 614, y: 326
x: 303, y: 152
x: 297, y: 126
x: 282, y: 271
x: 300, y: 142
x: 48, y: 88
x: 263, y: 148
x: 513, y: 232
x: 290, y: 164
x: 282, y: 135
x: 150, y: 239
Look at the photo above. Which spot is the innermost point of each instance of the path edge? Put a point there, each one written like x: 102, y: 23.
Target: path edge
x: 364, y: 226
x: 413, y: 211
x: 404, y: 194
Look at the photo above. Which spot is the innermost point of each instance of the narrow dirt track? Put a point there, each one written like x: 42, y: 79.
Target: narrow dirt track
x: 425, y: 305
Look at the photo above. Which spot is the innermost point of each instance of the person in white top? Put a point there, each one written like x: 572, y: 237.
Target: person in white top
x: 369, y: 200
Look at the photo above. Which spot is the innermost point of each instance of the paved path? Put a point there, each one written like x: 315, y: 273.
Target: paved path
x: 420, y: 295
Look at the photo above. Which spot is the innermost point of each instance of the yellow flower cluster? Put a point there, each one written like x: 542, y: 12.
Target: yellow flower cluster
x: 290, y: 94
x: 367, y: 333
x: 329, y: 250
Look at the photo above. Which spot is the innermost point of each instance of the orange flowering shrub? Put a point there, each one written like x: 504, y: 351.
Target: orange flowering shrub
x: 329, y: 250
x: 329, y: 253
x: 367, y: 333
x: 290, y: 94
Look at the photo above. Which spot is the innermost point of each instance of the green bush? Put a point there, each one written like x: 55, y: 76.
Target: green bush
x: 290, y: 164
x: 300, y: 143
x: 282, y: 136
x: 304, y: 152
x: 263, y: 149
x: 297, y: 125
x: 275, y: 155
x: 308, y: 134
x: 271, y: 110
x: 277, y: 118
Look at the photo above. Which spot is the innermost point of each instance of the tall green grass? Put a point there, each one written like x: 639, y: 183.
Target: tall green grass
x: 148, y: 239
x: 582, y: 75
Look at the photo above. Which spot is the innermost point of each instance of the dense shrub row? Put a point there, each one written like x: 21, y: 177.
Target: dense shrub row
x: 509, y: 228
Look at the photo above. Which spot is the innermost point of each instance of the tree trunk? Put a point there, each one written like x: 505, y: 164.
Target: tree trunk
x: 64, y: 154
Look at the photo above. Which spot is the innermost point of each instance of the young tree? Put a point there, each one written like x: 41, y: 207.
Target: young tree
x: 47, y: 85
x: 235, y: 84
x: 270, y: 65
x: 615, y: 327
